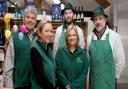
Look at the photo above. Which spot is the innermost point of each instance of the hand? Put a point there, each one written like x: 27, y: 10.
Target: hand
x: 68, y: 87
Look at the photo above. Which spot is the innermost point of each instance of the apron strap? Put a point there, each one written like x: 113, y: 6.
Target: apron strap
x: 62, y: 37
x: 107, y: 37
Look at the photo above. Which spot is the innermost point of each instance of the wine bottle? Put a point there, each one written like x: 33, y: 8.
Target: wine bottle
x: 75, y: 14
x: 82, y: 14
x: 78, y: 14
x: 16, y: 13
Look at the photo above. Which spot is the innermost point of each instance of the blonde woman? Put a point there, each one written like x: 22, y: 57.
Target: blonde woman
x: 72, y: 62
x: 43, y: 64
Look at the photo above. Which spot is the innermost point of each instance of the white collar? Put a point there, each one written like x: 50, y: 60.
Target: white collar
x: 103, y: 36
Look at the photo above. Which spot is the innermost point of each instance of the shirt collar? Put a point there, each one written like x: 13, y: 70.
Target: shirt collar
x: 103, y: 36
x: 30, y: 35
x: 76, y: 52
x: 43, y: 44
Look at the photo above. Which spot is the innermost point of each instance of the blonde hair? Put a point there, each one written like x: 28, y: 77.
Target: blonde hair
x: 71, y: 27
x: 41, y: 24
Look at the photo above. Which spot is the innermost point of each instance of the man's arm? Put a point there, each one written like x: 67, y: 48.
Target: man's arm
x: 119, y: 56
x: 9, y: 66
x: 56, y: 42
x: 81, y: 37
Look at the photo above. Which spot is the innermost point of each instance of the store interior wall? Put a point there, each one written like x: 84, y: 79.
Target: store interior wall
x: 121, y: 21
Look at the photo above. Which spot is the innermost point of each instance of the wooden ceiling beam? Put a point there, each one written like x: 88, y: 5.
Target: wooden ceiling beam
x: 38, y: 3
x: 11, y: 2
x: 103, y: 3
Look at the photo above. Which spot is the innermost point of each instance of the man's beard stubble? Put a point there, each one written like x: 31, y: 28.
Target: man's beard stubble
x: 69, y: 22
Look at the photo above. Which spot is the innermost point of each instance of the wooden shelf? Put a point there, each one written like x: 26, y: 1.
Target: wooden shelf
x: 83, y: 25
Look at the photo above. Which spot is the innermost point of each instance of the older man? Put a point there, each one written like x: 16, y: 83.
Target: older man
x: 16, y: 70
x: 106, y: 53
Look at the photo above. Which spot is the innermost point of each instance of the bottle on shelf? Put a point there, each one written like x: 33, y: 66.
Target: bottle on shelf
x: 82, y: 14
x: 78, y: 14
x: 53, y: 17
x: 19, y: 14
x: 44, y: 14
x: 75, y: 14
x: 16, y: 13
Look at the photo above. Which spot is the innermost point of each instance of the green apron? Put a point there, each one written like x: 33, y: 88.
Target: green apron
x: 62, y: 37
x: 102, y: 68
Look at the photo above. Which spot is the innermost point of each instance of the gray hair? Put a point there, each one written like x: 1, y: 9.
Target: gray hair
x: 30, y: 8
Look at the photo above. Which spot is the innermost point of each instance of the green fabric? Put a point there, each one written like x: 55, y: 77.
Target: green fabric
x: 48, y: 64
x: 72, y: 67
x: 102, y: 68
x: 21, y: 73
x: 62, y: 37
x: 98, y: 11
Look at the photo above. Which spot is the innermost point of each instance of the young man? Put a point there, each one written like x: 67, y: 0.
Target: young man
x: 106, y: 53
x: 16, y: 70
x: 68, y: 13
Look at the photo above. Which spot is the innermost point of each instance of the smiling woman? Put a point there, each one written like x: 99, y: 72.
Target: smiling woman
x: 71, y: 60
x: 43, y: 65
x: 44, y: 31
x: 71, y: 37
